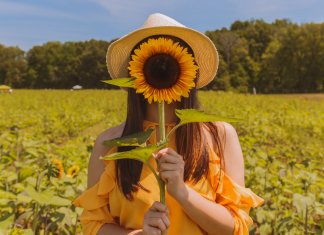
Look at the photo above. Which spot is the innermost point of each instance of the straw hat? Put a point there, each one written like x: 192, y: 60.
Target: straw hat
x: 206, y: 56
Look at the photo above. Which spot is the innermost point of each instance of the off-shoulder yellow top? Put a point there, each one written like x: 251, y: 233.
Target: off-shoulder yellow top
x: 105, y: 203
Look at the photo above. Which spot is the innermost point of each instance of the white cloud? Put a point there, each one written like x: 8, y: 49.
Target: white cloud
x: 133, y: 11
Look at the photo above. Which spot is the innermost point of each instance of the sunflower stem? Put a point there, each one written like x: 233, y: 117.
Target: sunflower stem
x: 161, y: 121
x: 159, y: 180
x: 162, y: 139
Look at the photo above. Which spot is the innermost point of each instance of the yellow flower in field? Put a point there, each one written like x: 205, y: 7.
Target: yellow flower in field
x: 59, y: 167
x: 72, y: 171
x: 163, y: 70
x: 21, y: 209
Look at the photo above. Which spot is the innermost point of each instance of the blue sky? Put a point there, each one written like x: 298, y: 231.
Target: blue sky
x: 26, y: 23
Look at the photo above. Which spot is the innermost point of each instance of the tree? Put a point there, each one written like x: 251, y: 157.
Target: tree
x: 278, y: 57
x: 294, y: 61
x: 62, y: 65
x: 13, y: 66
x: 233, y: 55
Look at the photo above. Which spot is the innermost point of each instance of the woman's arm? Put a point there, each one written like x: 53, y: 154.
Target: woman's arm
x: 210, y: 216
x: 117, y: 230
x: 156, y: 219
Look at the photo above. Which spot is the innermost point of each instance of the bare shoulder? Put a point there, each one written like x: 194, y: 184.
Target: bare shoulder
x: 224, y: 130
x: 233, y: 156
x: 96, y: 166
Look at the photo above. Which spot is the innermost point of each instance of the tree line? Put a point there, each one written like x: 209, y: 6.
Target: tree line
x: 277, y: 57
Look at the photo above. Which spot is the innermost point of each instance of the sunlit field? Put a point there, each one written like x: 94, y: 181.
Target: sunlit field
x: 46, y: 137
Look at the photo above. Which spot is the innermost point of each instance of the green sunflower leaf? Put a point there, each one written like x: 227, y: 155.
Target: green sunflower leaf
x: 193, y: 115
x: 47, y: 197
x: 122, y: 82
x: 6, y: 221
x: 141, y: 153
x: 137, y: 139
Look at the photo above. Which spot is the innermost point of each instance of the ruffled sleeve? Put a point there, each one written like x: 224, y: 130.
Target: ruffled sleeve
x: 95, y: 202
x: 237, y: 199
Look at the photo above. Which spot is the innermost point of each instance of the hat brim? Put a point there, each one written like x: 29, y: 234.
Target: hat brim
x: 206, y: 55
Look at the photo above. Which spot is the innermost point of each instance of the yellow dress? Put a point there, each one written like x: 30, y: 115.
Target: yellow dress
x: 104, y: 202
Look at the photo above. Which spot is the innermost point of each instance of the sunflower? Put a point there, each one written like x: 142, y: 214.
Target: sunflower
x: 163, y: 70
x: 72, y: 171
x: 59, y: 170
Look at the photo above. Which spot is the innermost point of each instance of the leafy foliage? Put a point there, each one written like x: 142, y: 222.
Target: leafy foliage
x: 137, y: 139
x: 281, y: 57
x: 281, y: 137
x: 193, y: 115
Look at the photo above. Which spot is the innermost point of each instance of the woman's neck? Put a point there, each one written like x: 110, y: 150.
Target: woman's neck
x: 152, y: 112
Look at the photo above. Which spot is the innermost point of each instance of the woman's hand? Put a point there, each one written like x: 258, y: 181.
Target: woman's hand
x: 156, y: 219
x: 171, y: 169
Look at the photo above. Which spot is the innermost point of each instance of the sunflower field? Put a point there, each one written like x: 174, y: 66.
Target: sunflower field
x: 46, y: 138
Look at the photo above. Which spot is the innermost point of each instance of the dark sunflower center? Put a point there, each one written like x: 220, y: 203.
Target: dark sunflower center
x: 161, y: 71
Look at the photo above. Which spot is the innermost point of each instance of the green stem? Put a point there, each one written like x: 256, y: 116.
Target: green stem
x: 162, y: 139
x: 162, y: 192
x: 161, y: 121
x: 35, y: 221
x: 173, y: 130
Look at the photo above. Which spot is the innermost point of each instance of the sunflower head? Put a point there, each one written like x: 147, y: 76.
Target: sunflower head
x: 72, y: 171
x: 57, y: 168
x: 163, y: 69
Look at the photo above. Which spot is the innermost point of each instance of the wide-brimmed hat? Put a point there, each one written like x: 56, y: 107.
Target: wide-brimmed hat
x: 205, y: 52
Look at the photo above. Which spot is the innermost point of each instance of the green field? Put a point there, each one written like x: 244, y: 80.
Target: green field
x: 282, y: 138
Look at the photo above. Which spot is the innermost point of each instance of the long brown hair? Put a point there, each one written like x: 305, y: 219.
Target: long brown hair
x: 190, y: 141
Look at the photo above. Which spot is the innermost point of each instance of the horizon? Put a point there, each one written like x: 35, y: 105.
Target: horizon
x: 108, y: 40
x: 34, y: 22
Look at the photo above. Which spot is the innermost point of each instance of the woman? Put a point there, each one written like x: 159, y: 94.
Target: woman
x: 202, y: 166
